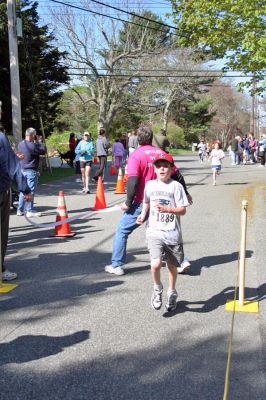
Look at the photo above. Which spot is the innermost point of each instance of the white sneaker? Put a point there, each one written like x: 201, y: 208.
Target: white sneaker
x: 156, y: 299
x: 171, y: 301
x: 78, y: 180
x: 114, y: 270
x: 32, y: 214
x: 9, y: 276
x: 84, y: 190
x: 20, y: 213
x: 184, y: 267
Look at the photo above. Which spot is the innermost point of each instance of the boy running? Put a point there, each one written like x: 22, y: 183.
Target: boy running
x: 167, y: 201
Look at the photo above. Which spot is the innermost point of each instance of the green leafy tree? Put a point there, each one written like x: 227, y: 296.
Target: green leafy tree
x: 226, y: 28
x: 41, y: 71
x: 194, y: 117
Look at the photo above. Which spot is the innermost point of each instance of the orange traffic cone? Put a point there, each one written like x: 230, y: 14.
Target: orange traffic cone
x: 61, y: 214
x: 120, y: 187
x: 100, y: 197
x: 125, y: 176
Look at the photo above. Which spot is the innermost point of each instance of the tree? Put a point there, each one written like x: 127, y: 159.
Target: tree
x: 108, y: 57
x: 232, y: 115
x: 74, y: 114
x: 226, y: 28
x: 41, y: 71
x: 194, y: 117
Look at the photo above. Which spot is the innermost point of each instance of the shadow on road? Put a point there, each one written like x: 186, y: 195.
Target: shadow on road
x: 220, y: 299
x: 212, y: 261
x: 29, y: 347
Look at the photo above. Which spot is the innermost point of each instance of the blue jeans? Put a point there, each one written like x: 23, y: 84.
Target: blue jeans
x: 126, y: 225
x: 234, y: 156
x: 32, y: 177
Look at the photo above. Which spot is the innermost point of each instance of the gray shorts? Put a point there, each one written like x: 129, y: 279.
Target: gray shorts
x: 172, y: 253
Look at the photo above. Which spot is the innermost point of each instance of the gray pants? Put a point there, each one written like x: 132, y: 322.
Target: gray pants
x: 4, y: 221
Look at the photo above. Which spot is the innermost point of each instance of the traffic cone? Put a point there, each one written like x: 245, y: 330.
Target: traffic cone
x: 61, y: 214
x: 125, y: 175
x: 100, y: 197
x: 120, y: 187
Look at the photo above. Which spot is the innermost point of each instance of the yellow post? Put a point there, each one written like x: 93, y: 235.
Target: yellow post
x: 242, y: 255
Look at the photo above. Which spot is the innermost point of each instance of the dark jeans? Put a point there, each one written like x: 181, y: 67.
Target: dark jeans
x: 4, y: 219
x: 262, y: 157
x: 100, y: 170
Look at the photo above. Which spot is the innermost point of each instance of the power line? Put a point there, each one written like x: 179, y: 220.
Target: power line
x: 169, y: 69
x: 160, y: 76
x: 109, y: 16
x: 133, y: 14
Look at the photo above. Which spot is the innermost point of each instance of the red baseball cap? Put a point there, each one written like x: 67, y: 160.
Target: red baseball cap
x: 165, y: 157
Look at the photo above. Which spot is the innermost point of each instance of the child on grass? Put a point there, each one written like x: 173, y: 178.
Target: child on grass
x: 166, y: 200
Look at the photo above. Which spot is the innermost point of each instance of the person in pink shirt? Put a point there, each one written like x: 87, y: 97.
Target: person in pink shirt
x: 118, y: 153
x: 140, y: 171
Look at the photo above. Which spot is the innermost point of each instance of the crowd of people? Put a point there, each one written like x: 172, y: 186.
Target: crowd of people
x: 243, y: 150
x: 156, y: 191
x: 247, y: 149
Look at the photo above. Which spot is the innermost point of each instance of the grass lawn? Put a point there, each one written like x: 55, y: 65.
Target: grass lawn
x: 180, y: 151
x: 57, y: 173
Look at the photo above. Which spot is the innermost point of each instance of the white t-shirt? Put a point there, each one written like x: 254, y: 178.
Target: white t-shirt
x: 202, y: 147
x: 165, y: 225
x: 216, y: 156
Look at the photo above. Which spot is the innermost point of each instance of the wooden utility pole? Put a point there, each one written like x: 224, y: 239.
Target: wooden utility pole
x: 14, y: 71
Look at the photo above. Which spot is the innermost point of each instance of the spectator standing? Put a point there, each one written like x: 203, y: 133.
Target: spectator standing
x: 160, y: 140
x: 9, y: 169
x: 32, y: 149
x: 72, y: 145
x: 234, y: 150
x: 102, y: 146
x: 118, y: 153
x: 140, y: 171
x: 85, y: 150
x: 252, y: 147
x: 246, y: 150
x: 77, y: 161
x: 132, y: 142
x: 166, y: 201
x: 124, y: 143
x: 262, y: 150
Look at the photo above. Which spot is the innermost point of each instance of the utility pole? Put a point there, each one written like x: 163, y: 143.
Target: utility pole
x: 14, y: 71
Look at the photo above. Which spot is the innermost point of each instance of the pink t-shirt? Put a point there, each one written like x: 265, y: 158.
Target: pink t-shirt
x: 140, y: 163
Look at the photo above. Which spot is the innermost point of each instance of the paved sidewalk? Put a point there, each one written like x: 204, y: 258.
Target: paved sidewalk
x: 71, y: 331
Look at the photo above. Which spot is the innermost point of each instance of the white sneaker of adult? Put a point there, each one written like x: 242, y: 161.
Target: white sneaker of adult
x: 20, y: 213
x: 114, y: 270
x: 9, y: 275
x: 184, y: 267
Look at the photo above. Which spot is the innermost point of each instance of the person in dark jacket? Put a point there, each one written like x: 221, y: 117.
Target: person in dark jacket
x: 32, y: 149
x: 9, y: 170
x: 160, y: 140
x: 102, y: 146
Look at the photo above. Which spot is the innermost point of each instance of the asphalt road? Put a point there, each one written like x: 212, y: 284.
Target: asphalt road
x: 71, y: 331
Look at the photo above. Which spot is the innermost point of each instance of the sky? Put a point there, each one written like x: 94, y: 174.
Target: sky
x: 159, y: 7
